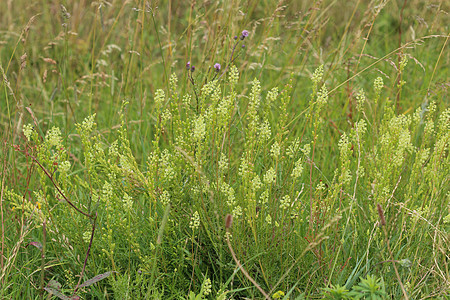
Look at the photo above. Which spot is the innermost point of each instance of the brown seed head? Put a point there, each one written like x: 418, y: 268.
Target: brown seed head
x: 381, y: 214
x: 228, y: 221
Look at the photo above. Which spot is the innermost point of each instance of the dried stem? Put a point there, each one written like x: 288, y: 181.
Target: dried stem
x: 228, y: 224
x: 87, y: 254
x: 383, y: 224
x: 50, y: 176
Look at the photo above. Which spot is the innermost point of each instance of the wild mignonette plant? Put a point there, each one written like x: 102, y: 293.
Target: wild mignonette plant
x: 323, y: 196
x: 230, y: 153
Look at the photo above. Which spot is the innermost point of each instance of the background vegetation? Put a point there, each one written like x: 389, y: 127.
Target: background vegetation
x: 325, y: 135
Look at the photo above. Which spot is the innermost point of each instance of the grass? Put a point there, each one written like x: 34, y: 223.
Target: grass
x: 119, y: 165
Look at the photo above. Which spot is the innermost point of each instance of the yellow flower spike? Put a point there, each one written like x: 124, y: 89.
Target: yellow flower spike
x: 278, y: 295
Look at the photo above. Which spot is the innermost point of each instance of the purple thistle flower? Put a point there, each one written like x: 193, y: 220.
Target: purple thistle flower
x: 243, y: 46
x: 192, y: 68
x: 235, y: 37
x: 217, y: 67
x: 188, y: 65
x: 244, y: 34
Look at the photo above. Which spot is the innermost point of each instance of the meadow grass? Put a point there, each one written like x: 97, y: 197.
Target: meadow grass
x: 312, y: 162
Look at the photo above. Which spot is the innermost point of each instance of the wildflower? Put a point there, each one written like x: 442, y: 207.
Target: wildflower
x: 244, y: 34
x: 127, y: 202
x: 298, y: 169
x: 243, y: 46
x: 165, y: 198
x: 173, y: 82
x: 361, y: 127
x: 53, y: 137
x: 272, y: 95
x: 195, y: 221
x: 264, y: 131
x: 217, y: 67
x: 270, y: 176
x: 278, y: 295
x: 168, y: 172
x: 320, y: 186
x: 293, y: 148
x: 237, y: 212
x: 447, y: 219
x: 88, y: 123
x: 114, y: 149
x: 199, y: 127
x: 275, y: 150
x: 188, y: 65
x: 192, y: 68
x: 86, y: 236
x: 378, y: 85
x: 306, y: 150
x: 126, y: 164
x: 360, y: 99
x: 405, y: 263
x: 256, y: 183
x: 107, y: 192
x: 229, y: 192
x: 64, y: 166
x: 228, y: 235
x: 317, y: 76
x: 166, y: 115
x: 403, y: 62
x: 187, y: 99
x: 27, y: 131
x: 206, y: 288
x: 223, y: 162
x: 344, y: 147
x: 269, y: 220
x: 159, y: 96
x: 233, y: 75
x: 322, y: 95
x: 255, y: 96
x: 285, y: 202
x: 209, y: 87
x: 235, y: 37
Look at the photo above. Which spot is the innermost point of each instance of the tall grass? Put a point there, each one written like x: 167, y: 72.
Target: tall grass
x: 324, y: 136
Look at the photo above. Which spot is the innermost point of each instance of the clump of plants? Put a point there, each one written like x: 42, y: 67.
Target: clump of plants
x: 239, y: 188
x: 215, y: 152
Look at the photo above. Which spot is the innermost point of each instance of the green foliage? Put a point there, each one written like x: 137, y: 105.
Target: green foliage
x: 368, y: 288
x: 119, y: 159
x: 336, y: 292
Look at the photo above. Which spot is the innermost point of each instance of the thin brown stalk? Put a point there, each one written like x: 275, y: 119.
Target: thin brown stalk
x: 228, y: 223
x: 87, y: 254
x: 383, y: 224
x: 57, y: 187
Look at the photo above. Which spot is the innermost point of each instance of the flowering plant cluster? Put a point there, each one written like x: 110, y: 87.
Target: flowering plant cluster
x: 224, y: 186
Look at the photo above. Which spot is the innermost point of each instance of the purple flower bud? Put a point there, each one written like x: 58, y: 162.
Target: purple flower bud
x: 188, y: 65
x: 244, y: 34
x: 235, y: 37
x: 243, y: 46
x: 192, y: 68
x: 217, y: 67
